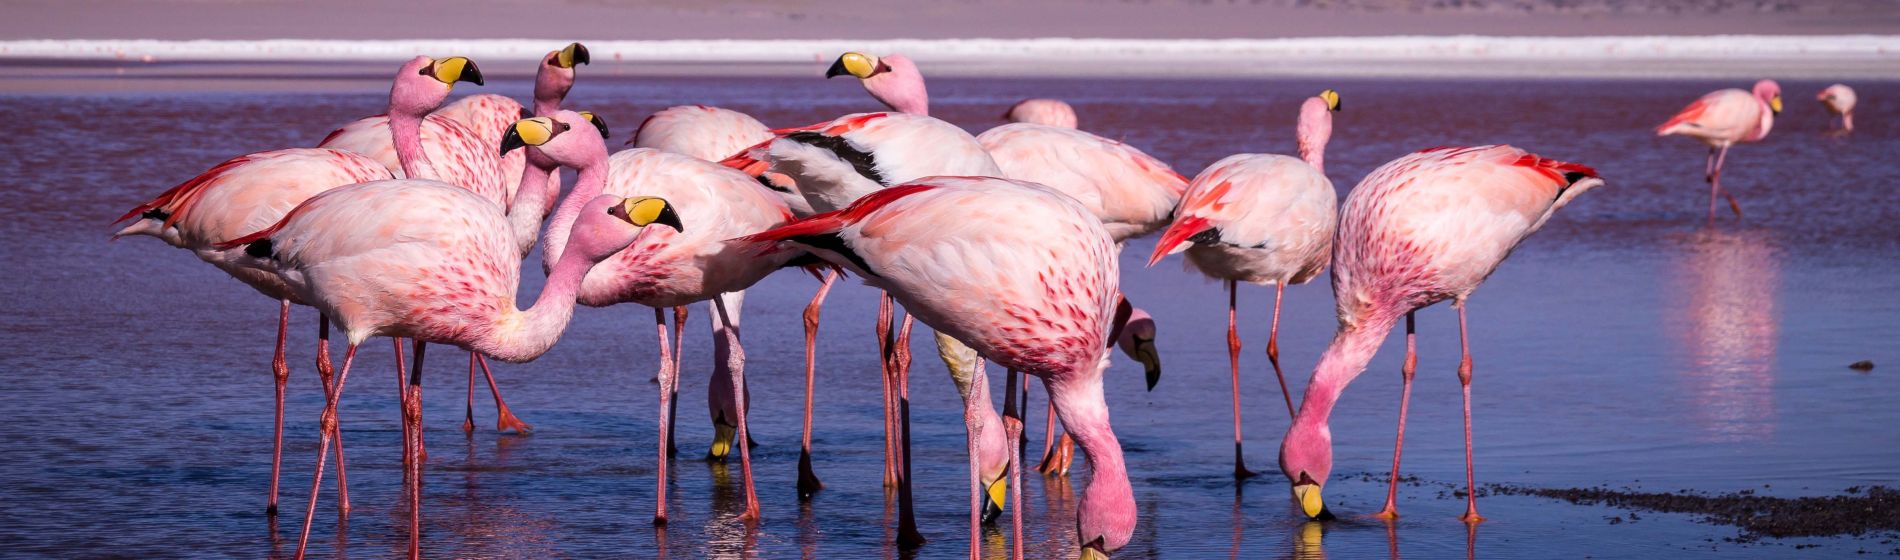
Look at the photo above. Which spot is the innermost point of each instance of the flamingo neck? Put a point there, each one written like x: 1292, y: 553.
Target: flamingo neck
x: 1315, y: 129
x: 405, y: 131
x: 978, y: 415
x: 1352, y: 348
x: 530, y: 204
x: 591, y: 181
x: 1107, y: 509
x: 526, y: 334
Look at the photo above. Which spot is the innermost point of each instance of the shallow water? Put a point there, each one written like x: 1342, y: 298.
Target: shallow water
x: 1627, y: 344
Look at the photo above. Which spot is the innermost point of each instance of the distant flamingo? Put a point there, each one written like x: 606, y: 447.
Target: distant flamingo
x: 1018, y: 272
x: 671, y: 269
x: 1722, y: 119
x: 1839, y: 100
x: 1262, y: 219
x: 1421, y: 229
x: 239, y: 196
x: 434, y: 262
x: 1052, y: 112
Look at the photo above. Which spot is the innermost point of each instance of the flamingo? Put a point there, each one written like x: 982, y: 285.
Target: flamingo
x: 466, y: 137
x: 1420, y: 229
x: 1262, y: 219
x: 435, y: 262
x: 242, y: 195
x: 1052, y: 112
x: 1839, y: 100
x: 1128, y: 190
x: 1722, y: 119
x: 673, y: 269
x: 1020, y: 273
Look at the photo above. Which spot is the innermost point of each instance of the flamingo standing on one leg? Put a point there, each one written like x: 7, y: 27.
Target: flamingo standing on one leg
x: 1020, y: 273
x: 1839, y: 100
x: 673, y: 269
x: 239, y: 196
x: 437, y: 263
x: 1722, y: 119
x: 1051, y: 112
x: 1421, y: 229
x: 1262, y: 219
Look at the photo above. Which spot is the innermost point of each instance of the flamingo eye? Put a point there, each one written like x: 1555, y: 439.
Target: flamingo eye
x: 565, y: 127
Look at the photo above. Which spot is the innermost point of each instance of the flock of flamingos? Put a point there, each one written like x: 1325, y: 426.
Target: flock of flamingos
x: 414, y: 224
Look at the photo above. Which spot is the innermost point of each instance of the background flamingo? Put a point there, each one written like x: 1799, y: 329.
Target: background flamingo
x: 1722, y: 119
x: 1052, y: 112
x: 1421, y: 229
x: 439, y: 261
x: 1019, y: 272
x: 1263, y: 219
x: 1839, y: 100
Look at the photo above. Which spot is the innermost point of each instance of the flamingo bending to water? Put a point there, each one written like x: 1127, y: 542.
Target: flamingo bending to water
x: 1262, y: 219
x: 1052, y: 112
x: 1722, y: 119
x: 1839, y: 100
x: 437, y: 263
x: 1421, y: 229
x: 1020, y: 273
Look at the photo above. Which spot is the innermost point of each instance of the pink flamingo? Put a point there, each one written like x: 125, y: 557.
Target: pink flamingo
x: 1722, y: 119
x: 1128, y: 190
x: 1262, y: 219
x: 1046, y: 313
x: 673, y: 269
x: 1839, y: 100
x: 1421, y: 229
x: 1051, y: 112
x: 465, y: 137
x: 239, y: 196
x: 441, y: 266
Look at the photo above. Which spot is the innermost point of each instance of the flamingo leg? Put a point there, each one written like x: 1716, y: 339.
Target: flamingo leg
x: 907, y: 535
x: 468, y: 418
x: 1022, y: 409
x: 1013, y: 427
x: 1233, y: 360
x: 1273, y: 347
x: 679, y: 356
x: 412, y: 416
x: 735, y: 358
x: 505, y: 419
x: 1464, y: 380
x: 1406, y: 370
x: 402, y: 402
x: 325, y: 370
x: 669, y: 377
x: 1048, y: 440
x: 808, y: 483
x: 328, y: 427
x: 280, y: 372
x: 1717, y: 181
x: 884, y: 343
x: 1847, y: 122
x: 978, y: 380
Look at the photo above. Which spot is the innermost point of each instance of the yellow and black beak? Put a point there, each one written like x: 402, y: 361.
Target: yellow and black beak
x: 530, y: 132
x: 994, y: 497
x: 646, y: 210
x: 1150, y: 359
x: 856, y: 64
x: 599, y: 124
x: 1775, y: 104
x: 1307, y: 493
x: 1093, y: 551
x: 1332, y: 100
x: 573, y: 54
x: 454, y: 69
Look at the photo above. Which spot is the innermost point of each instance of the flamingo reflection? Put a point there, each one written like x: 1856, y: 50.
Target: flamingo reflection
x: 1725, y: 290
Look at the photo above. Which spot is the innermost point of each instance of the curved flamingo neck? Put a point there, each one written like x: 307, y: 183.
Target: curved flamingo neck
x: 525, y: 334
x: 1315, y: 129
x: 530, y: 204
x: 591, y: 181
x: 1352, y: 348
x: 406, y: 133
x: 1107, y: 509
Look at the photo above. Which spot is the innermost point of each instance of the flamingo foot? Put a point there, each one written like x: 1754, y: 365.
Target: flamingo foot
x: 808, y: 483
x: 1389, y: 513
x: 508, y: 421
x: 1471, y: 516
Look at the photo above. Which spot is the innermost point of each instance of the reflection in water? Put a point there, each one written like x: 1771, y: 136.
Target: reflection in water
x: 726, y: 535
x: 1723, y: 309
x: 1307, y: 541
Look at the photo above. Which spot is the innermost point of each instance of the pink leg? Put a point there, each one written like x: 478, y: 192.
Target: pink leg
x: 1273, y: 348
x: 884, y: 346
x: 1014, y: 428
x: 808, y: 483
x: 468, y: 419
x: 412, y: 416
x: 1233, y: 360
x: 668, y: 377
x: 975, y: 432
x: 679, y: 356
x: 1048, y: 464
x: 327, y: 427
x: 907, y: 535
x: 506, y: 419
x: 736, y: 361
x: 324, y: 373
x: 1406, y: 370
x: 1732, y: 205
x: 1847, y: 122
x: 1464, y: 380
x: 402, y: 402
x: 280, y: 371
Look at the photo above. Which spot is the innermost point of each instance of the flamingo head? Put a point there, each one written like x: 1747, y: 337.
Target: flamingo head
x: 609, y: 224
x: 1137, y: 340
x: 556, y: 74
x: 550, y: 136
x: 893, y: 79
x: 1331, y: 98
x: 424, y: 83
x: 1769, y: 92
x: 152, y: 223
x: 1306, y: 458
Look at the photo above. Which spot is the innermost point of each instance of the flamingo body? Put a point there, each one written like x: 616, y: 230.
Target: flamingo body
x: 704, y: 132
x: 1051, y: 112
x: 1839, y: 100
x: 456, y: 153
x: 1131, y: 192
x: 1257, y: 218
x: 1727, y: 117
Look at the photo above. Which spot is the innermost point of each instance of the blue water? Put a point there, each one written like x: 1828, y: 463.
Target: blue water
x: 1628, y: 344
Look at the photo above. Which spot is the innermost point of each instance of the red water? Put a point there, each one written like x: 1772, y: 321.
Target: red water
x: 1627, y: 344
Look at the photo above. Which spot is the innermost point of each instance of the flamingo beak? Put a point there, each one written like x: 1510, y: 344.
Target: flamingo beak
x: 1150, y: 359
x: 993, y: 499
x: 1093, y: 551
x: 1308, y: 494
x: 1775, y: 104
x: 722, y: 441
